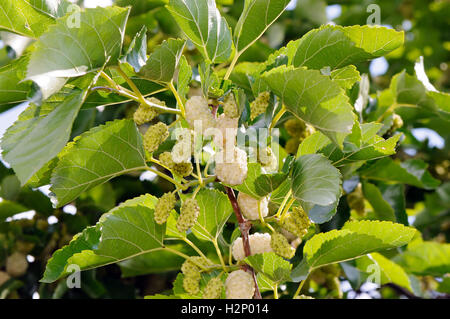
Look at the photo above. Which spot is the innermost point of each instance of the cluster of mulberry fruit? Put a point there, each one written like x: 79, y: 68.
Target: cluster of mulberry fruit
x: 181, y: 169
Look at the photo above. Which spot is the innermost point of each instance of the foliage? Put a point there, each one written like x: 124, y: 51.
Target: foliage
x: 309, y: 130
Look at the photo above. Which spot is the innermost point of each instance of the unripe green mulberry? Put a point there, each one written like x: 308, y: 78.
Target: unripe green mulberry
x: 280, y: 246
x: 259, y: 105
x: 355, y: 200
x: 166, y: 159
x: 191, y: 282
x: 182, y: 169
x: 191, y: 264
x: 16, y: 264
x: 191, y: 272
x: 298, y: 128
x: 188, y: 215
x: 213, y: 289
x: 230, y: 107
x: 163, y: 207
x: 146, y: 113
x: 294, y: 127
x: 297, y: 222
x: 155, y: 135
x: 292, y: 145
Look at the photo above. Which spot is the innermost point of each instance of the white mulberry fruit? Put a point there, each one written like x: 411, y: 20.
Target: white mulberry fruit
x: 259, y: 243
x: 227, y: 126
x: 197, y: 109
x: 16, y: 264
x: 249, y: 206
x: 231, y: 166
x: 239, y: 285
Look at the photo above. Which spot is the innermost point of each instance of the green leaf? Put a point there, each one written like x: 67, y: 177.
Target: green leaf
x: 426, y: 258
x: 271, y: 265
x: 57, y: 265
x: 382, y: 209
x: 136, y: 55
x: 215, y: 209
x: 412, y: 172
x: 12, y: 90
x: 314, y: 98
x: 313, y: 144
x: 201, y: 21
x: 42, y: 131
x: 34, y: 18
x: 184, y: 78
x: 83, y: 250
x: 10, y: 208
x: 337, y: 46
x: 255, y: 19
x: 346, y: 76
x: 64, y: 52
x: 159, y: 261
x: 315, y: 181
x: 389, y: 271
x: 95, y: 157
x: 413, y: 101
x: 362, y: 145
x: 258, y: 184
x: 355, y: 239
x: 129, y: 232
x: 162, y: 63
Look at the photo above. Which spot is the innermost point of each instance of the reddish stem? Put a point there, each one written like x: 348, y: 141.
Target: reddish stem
x: 244, y: 227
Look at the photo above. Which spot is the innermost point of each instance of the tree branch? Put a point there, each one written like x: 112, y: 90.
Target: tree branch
x: 401, y: 291
x: 244, y: 227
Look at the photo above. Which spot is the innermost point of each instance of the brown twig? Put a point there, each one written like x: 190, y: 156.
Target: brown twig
x: 401, y: 290
x: 244, y: 227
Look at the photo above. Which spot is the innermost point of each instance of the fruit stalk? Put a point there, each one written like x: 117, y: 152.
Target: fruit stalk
x: 244, y: 227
